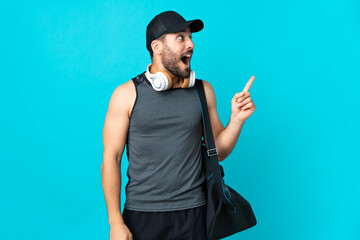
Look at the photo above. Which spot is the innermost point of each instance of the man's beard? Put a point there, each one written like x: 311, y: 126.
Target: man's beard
x: 170, y: 62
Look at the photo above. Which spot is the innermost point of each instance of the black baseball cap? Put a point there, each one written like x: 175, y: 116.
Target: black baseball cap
x: 169, y: 22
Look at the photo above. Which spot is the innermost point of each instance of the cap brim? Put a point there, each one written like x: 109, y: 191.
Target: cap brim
x: 195, y: 26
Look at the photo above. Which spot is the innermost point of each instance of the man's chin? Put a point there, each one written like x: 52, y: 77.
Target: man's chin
x: 186, y: 73
x: 180, y: 72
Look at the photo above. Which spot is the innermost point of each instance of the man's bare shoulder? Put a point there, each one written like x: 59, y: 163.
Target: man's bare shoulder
x: 207, y: 85
x: 123, y: 98
x: 125, y: 90
x: 209, y: 92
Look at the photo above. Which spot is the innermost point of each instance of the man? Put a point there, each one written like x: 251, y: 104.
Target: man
x: 158, y: 115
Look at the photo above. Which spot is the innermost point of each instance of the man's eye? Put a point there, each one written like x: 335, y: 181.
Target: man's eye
x: 180, y: 37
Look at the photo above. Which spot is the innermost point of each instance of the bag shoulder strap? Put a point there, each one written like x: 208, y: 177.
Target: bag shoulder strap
x: 206, y: 119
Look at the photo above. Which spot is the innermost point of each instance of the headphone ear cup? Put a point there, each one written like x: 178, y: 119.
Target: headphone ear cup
x: 188, y: 82
x: 192, y: 79
x: 159, y: 82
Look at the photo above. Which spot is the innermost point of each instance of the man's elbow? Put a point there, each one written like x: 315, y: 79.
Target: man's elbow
x: 222, y: 154
x: 221, y: 158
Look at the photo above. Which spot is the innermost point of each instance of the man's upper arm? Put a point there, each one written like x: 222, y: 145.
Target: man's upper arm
x: 117, y: 121
x: 216, y: 124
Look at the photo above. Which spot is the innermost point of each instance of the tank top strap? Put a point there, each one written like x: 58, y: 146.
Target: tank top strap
x: 138, y: 79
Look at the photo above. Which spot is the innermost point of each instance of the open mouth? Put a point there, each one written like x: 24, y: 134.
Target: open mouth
x: 186, y: 60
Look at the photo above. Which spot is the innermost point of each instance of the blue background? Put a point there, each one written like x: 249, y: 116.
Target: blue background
x: 297, y: 159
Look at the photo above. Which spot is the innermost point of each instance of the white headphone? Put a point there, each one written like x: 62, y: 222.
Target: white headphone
x: 161, y: 81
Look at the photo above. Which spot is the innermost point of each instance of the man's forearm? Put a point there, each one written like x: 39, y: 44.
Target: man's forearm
x: 111, y: 182
x: 226, y: 140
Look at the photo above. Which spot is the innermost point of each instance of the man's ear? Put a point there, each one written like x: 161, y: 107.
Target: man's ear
x: 157, y: 47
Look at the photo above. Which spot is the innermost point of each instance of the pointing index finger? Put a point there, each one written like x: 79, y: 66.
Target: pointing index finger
x: 248, y: 84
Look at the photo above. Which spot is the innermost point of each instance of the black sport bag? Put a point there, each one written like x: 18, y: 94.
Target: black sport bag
x: 227, y: 211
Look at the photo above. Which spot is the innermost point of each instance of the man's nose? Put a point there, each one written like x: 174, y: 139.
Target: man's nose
x: 190, y: 44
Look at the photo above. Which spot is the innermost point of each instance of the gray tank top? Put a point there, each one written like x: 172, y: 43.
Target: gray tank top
x: 163, y: 148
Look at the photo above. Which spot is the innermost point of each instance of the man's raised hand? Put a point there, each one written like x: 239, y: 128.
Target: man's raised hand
x: 242, y: 106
